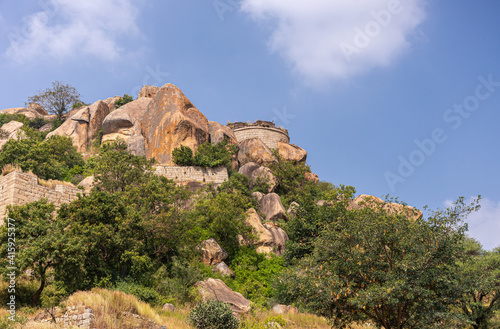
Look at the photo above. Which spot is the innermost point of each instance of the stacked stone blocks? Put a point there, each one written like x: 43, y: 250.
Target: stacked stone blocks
x: 269, y: 136
x: 215, y: 175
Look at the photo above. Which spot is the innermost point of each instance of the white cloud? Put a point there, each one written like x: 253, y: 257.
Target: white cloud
x: 318, y: 36
x: 484, y: 225
x: 65, y: 28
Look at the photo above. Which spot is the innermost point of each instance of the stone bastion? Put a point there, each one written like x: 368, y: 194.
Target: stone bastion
x: 264, y: 130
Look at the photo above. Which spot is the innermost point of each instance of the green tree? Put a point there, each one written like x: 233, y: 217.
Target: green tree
x: 57, y: 99
x: 480, y: 279
x: 123, y: 100
x: 386, y: 269
x: 207, y: 155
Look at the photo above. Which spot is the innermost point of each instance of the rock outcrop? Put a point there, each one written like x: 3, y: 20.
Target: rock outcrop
x: 83, y: 125
x: 111, y: 102
x: 148, y: 91
x: 259, y: 174
x: 38, y: 109
x: 171, y: 120
x: 30, y: 113
x: 254, y: 150
x: 125, y: 124
x: 272, y: 208
x: 284, y: 309
x: 292, y: 210
x: 219, y: 133
x: 269, y: 238
x: 10, y: 130
x: 87, y: 183
x: 364, y: 201
x: 214, y: 289
x: 312, y: 177
x: 291, y: 152
x: 223, y: 269
x: 211, y: 252
x: 168, y: 307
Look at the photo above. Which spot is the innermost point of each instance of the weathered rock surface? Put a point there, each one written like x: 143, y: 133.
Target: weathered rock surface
x: 29, y: 113
x: 219, y: 133
x: 148, y: 91
x: 272, y: 208
x: 46, y: 128
x: 292, y: 210
x: 211, y: 252
x: 292, y: 152
x: 83, y: 125
x: 312, y: 177
x: 257, y: 195
x: 171, y: 120
x: 87, y: 183
x: 364, y: 200
x: 125, y: 124
x: 269, y: 238
x: 111, y: 102
x: 259, y: 174
x: 38, y: 109
x: 254, y: 150
x: 214, y: 289
x: 168, y: 307
x: 223, y: 269
x: 10, y: 130
x: 284, y: 309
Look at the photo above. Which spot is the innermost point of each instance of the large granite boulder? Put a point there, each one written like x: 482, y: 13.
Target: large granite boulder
x: 259, y: 174
x: 211, y: 252
x: 214, y: 289
x: 10, y: 130
x: 365, y: 201
x: 271, y: 206
x: 125, y: 124
x: 29, y: 113
x: 171, y: 120
x: 223, y: 269
x: 291, y: 152
x: 38, y: 109
x: 269, y: 238
x: 219, y: 133
x: 111, y: 102
x: 83, y: 125
x: 87, y: 183
x: 148, y: 91
x: 254, y: 150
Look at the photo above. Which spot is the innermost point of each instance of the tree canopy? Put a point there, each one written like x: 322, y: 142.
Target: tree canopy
x: 57, y: 99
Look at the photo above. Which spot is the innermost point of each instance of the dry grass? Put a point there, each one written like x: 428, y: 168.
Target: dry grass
x: 8, y: 168
x: 52, y: 183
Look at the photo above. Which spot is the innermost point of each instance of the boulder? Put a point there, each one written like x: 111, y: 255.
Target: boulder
x: 29, y: 113
x: 10, y: 130
x: 38, y: 109
x: 269, y: 238
x: 148, y: 91
x: 168, y: 307
x: 83, y: 125
x: 292, y: 152
x: 284, y: 309
x: 312, y: 177
x: 111, y: 102
x: 171, y: 120
x: 125, y: 124
x: 214, y: 289
x: 211, y: 252
x: 364, y: 200
x: 292, y: 210
x: 272, y: 208
x: 254, y: 150
x: 257, y: 195
x: 259, y: 174
x: 219, y: 133
x: 87, y: 183
x: 46, y: 128
x: 223, y: 269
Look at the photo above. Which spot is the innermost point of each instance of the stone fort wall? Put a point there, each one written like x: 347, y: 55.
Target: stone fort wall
x: 269, y: 136
x: 216, y: 175
x: 20, y: 188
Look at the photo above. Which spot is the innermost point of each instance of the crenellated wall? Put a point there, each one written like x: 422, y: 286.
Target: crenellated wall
x: 269, y: 136
x: 20, y: 188
x: 216, y: 175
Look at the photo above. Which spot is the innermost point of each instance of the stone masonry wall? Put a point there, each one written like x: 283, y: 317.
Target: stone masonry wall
x: 216, y: 175
x: 269, y: 136
x: 20, y: 188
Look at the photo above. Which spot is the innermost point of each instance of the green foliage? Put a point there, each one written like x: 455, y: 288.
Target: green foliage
x: 35, y: 123
x: 254, y: 274
x: 372, y: 266
x: 207, y: 155
x: 213, y: 315
x: 480, y: 279
x: 78, y: 104
x: 48, y: 159
x: 146, y: 294
x: 124, y: 100
x: 57, y: 99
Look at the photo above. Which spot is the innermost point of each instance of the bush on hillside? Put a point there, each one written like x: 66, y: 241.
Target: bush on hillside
x: 124, y: 100
x: 213, y: 315
x: 207, y: 155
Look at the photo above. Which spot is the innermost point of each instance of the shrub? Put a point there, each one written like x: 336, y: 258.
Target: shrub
x: 124, y: 100
x: 146, y: 294
x: 182, y: 156
x: 207, y: 155
x: 213, y: 315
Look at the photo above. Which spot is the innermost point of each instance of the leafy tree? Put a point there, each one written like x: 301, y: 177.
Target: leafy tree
x: 480, y: 279
x: 57, y: 99
x: 124, y: 100
x: 183, y: 156
x: 386, y: 269
x: 207, y: 155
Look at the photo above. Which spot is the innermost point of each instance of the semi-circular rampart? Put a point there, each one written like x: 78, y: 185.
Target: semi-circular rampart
x: 269, y: 136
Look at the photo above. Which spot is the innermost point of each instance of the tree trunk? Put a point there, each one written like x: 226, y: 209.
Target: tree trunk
x: 36, y: 297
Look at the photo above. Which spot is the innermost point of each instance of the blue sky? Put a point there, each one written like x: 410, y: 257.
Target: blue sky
x: 389, y: 97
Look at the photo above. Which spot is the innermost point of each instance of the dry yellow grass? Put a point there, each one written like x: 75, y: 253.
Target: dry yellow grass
x: 52, y: 183
x: 8, y: 168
